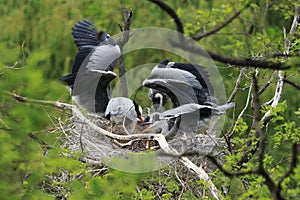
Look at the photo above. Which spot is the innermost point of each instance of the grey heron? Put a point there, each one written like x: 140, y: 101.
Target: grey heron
x: 123, y: 111
x: 170, y: 121
x: 182, y: 83
x: 93, y: 67
x: 159, y: 99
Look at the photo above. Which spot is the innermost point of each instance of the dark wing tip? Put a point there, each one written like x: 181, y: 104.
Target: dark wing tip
x: 68, y: 79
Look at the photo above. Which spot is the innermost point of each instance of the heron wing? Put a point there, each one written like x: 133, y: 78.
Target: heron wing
x: 103, y: 57
x: 85, y: 34
x: 91, y: 90
x: 179, y: 91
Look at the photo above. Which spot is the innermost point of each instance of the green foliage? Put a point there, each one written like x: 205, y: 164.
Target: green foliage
x: 36, y: 48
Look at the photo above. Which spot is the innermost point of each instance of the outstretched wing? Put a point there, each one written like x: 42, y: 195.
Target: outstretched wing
x: 202, y: 76
x: 86, y: 38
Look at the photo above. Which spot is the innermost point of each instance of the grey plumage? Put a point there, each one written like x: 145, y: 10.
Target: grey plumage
x: 182, y: 118
x: 183, y: 83
x: 92, y: 69
x: 122, y: 110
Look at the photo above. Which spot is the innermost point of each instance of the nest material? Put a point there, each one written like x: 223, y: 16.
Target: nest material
x: 83, y: 139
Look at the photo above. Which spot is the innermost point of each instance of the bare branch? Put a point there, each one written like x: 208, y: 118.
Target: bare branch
x: 127, y: 14
x: 56, y: 104
x: 239, y: 62
x: 201, y: 174
x: 227, y: 173
x: 293, y: 164
x: 265, y: 86
x: 292, y: 83
x: 237, y: 84
x: 278, y: 93
x: 199, y: 36
x: 171, y: 12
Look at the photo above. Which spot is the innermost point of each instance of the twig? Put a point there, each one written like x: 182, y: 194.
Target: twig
x: 237, y: 84
x: 199, y: 36
x: 265, y: 86
x: 243, y: 110
x: 293, y: 164
x: 292, y: 83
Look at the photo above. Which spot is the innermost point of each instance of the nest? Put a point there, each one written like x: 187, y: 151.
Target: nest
x: 133, y: 155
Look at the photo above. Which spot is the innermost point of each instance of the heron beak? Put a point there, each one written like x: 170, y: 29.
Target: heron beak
x: 141, y: 119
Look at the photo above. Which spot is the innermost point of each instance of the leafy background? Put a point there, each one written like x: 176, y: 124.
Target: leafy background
x: 36, y: 48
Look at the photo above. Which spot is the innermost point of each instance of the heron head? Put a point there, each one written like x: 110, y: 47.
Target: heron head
x: 104, y: 37
x: 138, y: 109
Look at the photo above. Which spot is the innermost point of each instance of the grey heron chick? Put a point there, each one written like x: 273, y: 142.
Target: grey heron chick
x: 123, y: 111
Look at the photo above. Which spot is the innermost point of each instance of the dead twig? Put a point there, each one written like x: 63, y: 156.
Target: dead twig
x: 199, y: 36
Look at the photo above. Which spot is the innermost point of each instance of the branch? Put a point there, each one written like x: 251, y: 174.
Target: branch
x: 127, y: 14
x: 225, y: 172
x: 279, y: 88
x: 287, y: 40
x: 292, y: 166
x: 256, y: 125
x: 56, y: 104
x: 239, y: 62
x: 265, y: 86
x: 171, y: 12
x: 237, y: 84
x: 183, y: 44
x: 199, y: 36
x: 201, y: 174
x: 292, y: 83
x: 278, y: 93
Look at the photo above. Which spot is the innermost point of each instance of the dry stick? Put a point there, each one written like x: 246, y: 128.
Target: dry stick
x: 243, y: 111
x: 265, y: 86
x: 237, y: 84
x: 199, y: 36
x: 201, y: 174
x: 127, y: 14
